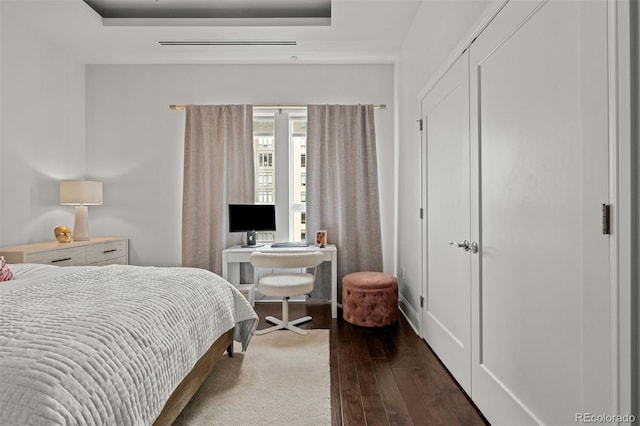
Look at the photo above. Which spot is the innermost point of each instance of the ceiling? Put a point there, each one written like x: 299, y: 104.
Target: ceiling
x: 323, y: 31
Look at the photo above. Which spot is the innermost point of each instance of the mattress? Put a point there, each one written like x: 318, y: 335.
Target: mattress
x: 107, y: 345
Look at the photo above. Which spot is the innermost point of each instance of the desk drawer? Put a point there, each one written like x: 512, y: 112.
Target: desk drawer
x: 72, y: 256
x: 107, y: 252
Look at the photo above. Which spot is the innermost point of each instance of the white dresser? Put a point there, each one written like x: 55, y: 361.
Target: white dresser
x: 96, y: 251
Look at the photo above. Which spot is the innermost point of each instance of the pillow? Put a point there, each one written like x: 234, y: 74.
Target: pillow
x: 5, y: 272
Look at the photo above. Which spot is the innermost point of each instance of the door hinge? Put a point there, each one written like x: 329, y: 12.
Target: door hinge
x: 422, y: 301
x: 421, y: 213
x: 606, y: 219
x: 420, y: 123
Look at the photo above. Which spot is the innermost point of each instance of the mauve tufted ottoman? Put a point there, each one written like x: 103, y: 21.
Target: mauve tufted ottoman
x: 370, y: 299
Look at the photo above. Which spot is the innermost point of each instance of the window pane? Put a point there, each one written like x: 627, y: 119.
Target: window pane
x: 263, y: 147
x: 297, y: 175
x: 299, y: 126
x: 263, y: 125
x: 266, y: 141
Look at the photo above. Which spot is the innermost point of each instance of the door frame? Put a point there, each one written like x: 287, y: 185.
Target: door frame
x: 624, y: 333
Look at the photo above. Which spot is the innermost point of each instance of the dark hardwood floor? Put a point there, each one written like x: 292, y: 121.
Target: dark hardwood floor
x: 383, y: 376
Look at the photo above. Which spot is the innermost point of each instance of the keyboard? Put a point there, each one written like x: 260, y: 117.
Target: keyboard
x: 290, y: 244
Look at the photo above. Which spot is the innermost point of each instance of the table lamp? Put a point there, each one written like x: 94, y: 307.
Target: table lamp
x: 81, y: 193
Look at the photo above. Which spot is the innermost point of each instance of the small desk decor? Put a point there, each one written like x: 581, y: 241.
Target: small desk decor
x: 62, y: 233
x: 321, y: 238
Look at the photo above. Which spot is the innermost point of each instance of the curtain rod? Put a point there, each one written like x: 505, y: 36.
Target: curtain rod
x: 176, y: 107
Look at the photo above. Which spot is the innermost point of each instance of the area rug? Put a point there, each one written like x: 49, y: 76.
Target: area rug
x: 282, y: 379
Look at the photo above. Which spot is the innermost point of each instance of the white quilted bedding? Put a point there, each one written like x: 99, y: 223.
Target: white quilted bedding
x: 107, y: 345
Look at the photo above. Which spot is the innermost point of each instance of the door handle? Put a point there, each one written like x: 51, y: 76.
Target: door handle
x: 463, y: 245
x: 472, y: 247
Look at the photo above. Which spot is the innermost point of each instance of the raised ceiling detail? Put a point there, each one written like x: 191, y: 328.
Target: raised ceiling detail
x: 213, y: 12
x: 361, y: 31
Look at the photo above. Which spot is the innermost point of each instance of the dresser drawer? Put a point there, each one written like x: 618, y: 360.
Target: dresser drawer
x: 107, y: 252
x: 96, y: 251
x: 72, y: 256
x: 117, y: 261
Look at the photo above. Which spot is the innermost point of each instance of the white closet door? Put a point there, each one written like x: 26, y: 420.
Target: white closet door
x: 540, y: 290
x: 447, y: 310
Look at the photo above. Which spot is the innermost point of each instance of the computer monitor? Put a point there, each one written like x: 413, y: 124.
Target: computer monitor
x: 250, y: 218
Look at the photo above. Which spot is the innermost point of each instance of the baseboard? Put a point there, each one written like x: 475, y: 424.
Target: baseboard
x: 412, y: 316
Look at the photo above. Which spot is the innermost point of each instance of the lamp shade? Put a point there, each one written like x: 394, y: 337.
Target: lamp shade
x: 80, y: 192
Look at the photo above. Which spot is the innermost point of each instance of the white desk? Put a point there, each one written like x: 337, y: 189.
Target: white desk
x: 234, y: 256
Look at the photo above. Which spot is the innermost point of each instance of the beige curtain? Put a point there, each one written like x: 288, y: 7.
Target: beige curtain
x: 342, y: 188
x: 218, y: 170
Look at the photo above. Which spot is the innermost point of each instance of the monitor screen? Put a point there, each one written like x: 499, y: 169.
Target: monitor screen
x: 252, y: 217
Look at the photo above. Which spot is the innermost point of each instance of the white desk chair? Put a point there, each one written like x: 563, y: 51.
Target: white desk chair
x: 285, y: 283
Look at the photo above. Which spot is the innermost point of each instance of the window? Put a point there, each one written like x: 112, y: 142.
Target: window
x: 265, y: 179
x: 263, y: 145
x: 265, y: 142
x: 298, y: 180
x: 265, y: 197
x: 265, y: 159
x: 280, y: 161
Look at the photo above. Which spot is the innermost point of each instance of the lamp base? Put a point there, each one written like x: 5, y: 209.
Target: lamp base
x: 81, y: 225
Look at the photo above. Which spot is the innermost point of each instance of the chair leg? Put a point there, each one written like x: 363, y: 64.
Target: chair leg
x: 300, y: 320
x: 297, y: 329
x: 268, y: 330
x: 284, y: 323
x: 285, y: 310
x: 273, y: 320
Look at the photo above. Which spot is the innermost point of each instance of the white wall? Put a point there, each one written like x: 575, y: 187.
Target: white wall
x: 41, y: 132
x: 135, y: 143
x: 437, y: 31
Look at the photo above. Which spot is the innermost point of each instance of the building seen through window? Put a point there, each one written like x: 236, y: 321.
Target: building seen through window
x: 279, y: 139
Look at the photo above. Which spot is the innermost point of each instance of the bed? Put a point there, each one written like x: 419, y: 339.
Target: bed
x: 116, y: 344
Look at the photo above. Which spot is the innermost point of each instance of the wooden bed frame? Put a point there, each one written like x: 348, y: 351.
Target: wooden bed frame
x: 191, y: 383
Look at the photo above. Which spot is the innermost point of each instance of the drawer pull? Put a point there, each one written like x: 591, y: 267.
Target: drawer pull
x: 109, y: 251
x: 60, y: 260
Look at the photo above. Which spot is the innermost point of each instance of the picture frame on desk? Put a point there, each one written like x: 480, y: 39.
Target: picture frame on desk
x: 321, y: 238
